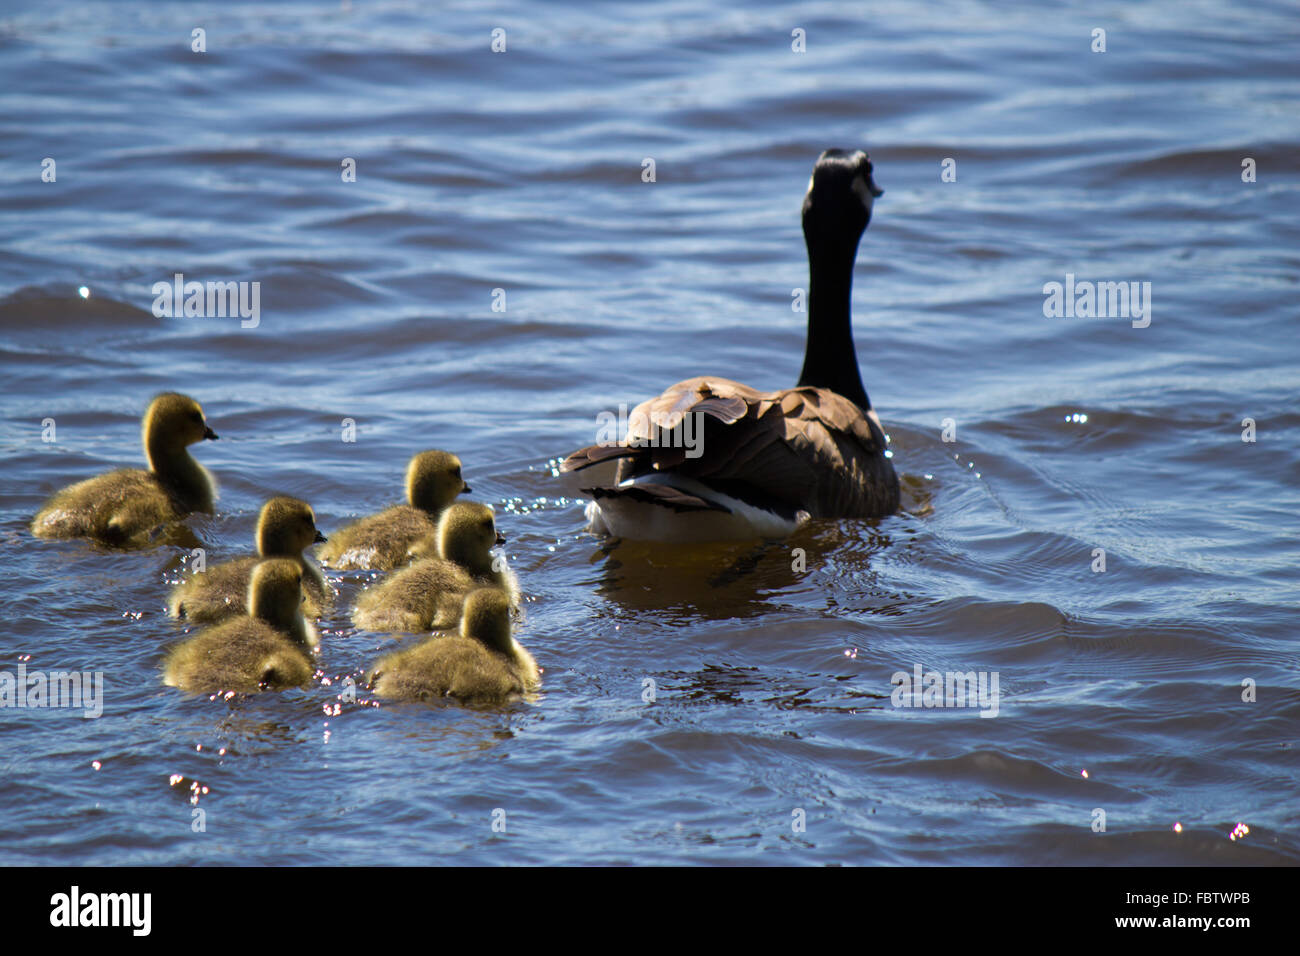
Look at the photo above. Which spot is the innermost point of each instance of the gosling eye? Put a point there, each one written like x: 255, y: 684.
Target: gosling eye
x: 196, y: 417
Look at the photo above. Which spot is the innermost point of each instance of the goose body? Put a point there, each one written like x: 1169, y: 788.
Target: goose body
x: 753, y: 463
x: 429, y: 593
x: 285, y: 527
x: 122, y: 507
x: 483, y: 664
x: 381, y: 541
x: 267, y: 649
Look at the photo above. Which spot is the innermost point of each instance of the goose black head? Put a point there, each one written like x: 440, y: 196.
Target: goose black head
x: 840, y: 195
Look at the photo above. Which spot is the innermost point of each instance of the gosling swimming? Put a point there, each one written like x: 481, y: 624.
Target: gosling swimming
x: 430, y: 593
x: 380, y: 542
x: 267, y: 649
x: 483, y: 664
x: 122, y: 507
x: 285, y: 527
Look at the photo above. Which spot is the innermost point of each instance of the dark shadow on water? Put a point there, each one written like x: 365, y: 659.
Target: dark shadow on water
x: 724, y: 580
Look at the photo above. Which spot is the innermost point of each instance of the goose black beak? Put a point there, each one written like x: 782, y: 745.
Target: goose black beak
x: 876, y: 191
x: 209, y: 434
x: 467, y: 490
x: 320, y: 538
x: 501, y: 539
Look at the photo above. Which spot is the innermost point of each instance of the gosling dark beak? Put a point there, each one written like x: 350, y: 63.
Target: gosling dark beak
x: 320, y: 538
x: 209, y: 434
x: 467, y: 490
x: 501, y: 539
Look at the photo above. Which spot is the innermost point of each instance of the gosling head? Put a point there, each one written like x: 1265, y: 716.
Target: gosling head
x: 466, y: 533
x: 838, y: 204
x: 173, y: 421
x: 275, y: 594
x: 285, y: 527
x: 433, y: 481
x: 486, y: 619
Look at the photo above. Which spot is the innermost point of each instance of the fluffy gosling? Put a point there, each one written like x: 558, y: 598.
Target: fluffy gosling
x: 483, y: 664
x: 380, y: 542
x: 430, y: 593
x: 285, y: 527
x: 267, y: 649
x: 122, y: 507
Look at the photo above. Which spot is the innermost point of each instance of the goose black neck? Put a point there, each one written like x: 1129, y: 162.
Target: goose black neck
x: 830, y: 360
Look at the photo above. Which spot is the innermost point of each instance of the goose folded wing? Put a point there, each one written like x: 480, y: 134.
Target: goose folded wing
x: 794, y: 449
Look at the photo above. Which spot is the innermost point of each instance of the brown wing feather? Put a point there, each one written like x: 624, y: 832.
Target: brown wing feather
x: 798, y: 449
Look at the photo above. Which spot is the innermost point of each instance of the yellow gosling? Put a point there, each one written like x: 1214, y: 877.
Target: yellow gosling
x: 285, y: 527
x: 267, y: 649
x: 483, y: 664
x: 380, y: 541
x: 430, y: 593
x: 122, y: 507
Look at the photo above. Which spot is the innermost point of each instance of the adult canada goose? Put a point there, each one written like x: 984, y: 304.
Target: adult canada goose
x: 122, y: 507
x: 430, y: 593
x: 483, y: 664
x: 763, y: 462
x: 267, y: 649
x: 380, y: 541
x: 285, y: 527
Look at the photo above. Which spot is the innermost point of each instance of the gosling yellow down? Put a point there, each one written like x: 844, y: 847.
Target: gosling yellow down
x: 430, y: 593
x: 380, y: 541
x: 285, y: 527
x: 483, y: 664
x: 267, y: 649
x: 122, y: 507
